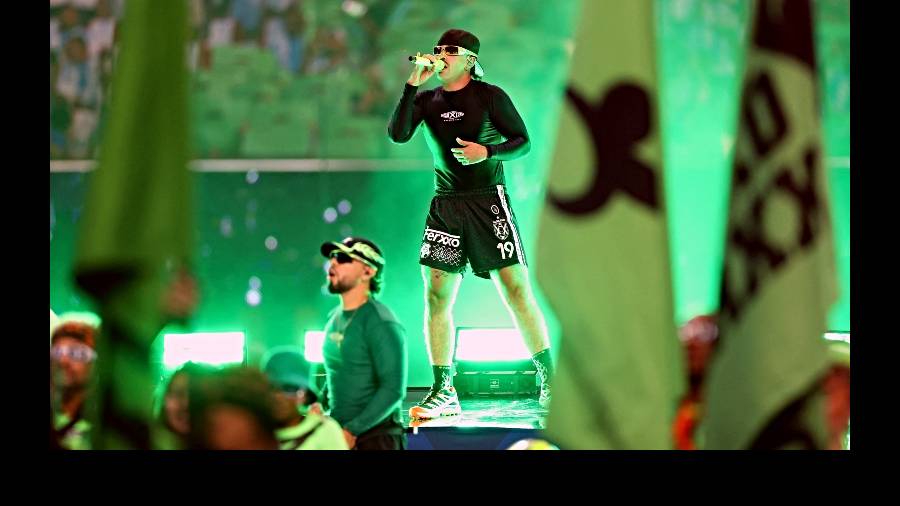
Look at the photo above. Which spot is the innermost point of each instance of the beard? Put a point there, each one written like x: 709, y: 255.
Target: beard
x: 339, y: 287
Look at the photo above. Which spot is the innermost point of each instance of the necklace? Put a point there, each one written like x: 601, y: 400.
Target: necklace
x: 338, y: 336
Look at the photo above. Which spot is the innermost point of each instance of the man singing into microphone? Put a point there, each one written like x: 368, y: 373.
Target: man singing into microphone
x: 471, y: 128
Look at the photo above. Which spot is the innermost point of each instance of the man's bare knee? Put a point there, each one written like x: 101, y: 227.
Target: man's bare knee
x: 439, y: 291
x: 438, y: 302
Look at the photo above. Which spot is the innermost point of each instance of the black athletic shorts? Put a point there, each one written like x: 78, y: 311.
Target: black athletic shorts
x: 476, y: 227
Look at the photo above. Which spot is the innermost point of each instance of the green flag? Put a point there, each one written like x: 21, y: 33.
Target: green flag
x: 137, y: 213
x: 778, y: 280
x: 603, y: 256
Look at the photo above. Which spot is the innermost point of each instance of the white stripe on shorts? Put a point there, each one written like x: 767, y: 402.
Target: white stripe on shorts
x: 509, y: 220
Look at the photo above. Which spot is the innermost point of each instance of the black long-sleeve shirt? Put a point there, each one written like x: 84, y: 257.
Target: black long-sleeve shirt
x: 479, y: 112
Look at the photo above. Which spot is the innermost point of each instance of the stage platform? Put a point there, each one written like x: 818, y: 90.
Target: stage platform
x: 486, y: 423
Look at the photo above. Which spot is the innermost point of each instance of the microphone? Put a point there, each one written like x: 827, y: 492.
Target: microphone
x: 425, y: 62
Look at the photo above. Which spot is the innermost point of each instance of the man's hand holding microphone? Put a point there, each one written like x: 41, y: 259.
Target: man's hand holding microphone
x: 426, y: 66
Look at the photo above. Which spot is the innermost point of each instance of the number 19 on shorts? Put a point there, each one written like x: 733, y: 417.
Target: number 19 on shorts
x: 506, y: 249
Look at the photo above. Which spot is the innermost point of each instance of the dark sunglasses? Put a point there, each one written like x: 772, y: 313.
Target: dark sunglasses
x: 341, y: 257
x: 451, y: 50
